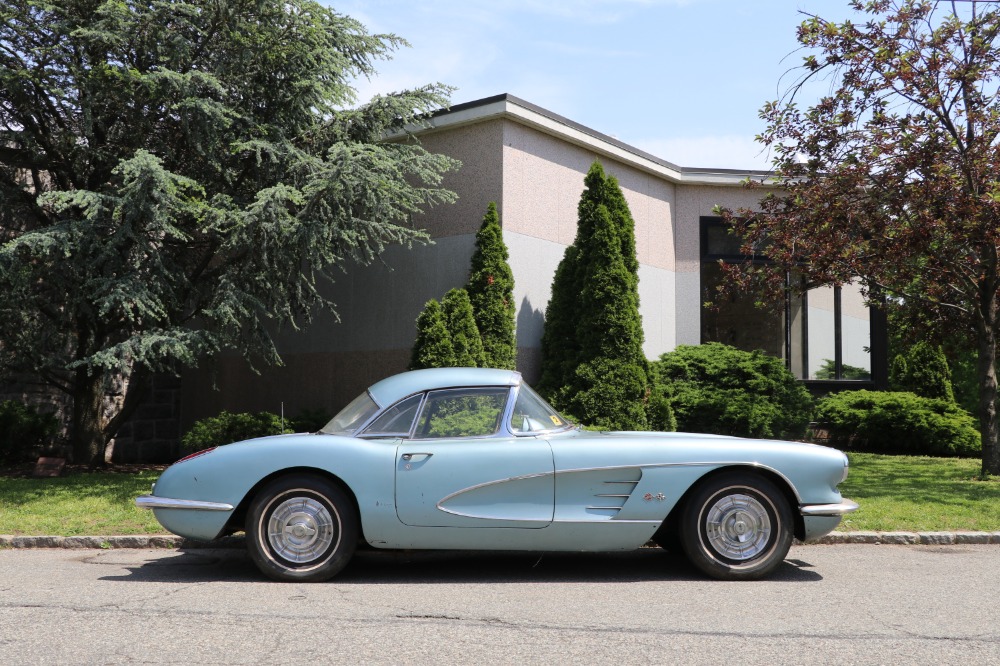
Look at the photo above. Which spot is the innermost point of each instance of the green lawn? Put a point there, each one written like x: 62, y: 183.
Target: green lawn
x: 91, y: 504
x: 920, y: 494
x: 896, y: 493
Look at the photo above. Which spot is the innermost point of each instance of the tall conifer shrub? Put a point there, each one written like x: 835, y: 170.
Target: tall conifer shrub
x: 491, y: 292
x: 922, y: 369
x: 593, y: 364
x: 433, y: 348
x: 461, y: 324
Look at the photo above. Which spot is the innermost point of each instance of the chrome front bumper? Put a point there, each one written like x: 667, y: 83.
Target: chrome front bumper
x: 154, y: 502
x: 841, y: 509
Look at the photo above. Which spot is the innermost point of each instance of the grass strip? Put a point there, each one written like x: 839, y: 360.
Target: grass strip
x: 896, y: 494
x: 920, y: 494
x: 87, y: 504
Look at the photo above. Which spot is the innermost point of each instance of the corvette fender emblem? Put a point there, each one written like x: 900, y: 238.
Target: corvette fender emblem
x: 649, y: 497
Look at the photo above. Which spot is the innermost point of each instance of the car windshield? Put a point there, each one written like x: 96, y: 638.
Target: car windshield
x: 351, y: 417
x: 532, y: 414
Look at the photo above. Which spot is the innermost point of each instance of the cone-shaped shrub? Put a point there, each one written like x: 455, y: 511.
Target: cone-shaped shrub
x: 461, y: 324
x: 923, y: 370
x: 560, y: 347
x: 491, y: 292
x: 433, y: 348
x: 593, y: 362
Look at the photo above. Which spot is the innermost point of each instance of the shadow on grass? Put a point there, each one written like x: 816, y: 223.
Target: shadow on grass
x: 107, y: 486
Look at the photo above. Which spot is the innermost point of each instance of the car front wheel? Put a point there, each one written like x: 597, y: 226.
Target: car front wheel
x: 736, y: 526
x: 301, y: 528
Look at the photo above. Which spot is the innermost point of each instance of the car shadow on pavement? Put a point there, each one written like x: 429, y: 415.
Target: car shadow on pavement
x: 428, y: 567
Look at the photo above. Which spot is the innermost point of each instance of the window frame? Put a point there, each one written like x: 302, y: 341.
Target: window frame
x: 878, y: 331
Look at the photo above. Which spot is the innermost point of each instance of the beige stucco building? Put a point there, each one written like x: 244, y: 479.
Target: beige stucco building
x: 532, y: 163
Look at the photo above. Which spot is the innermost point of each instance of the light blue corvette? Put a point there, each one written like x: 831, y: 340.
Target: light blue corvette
x: 473, y: 459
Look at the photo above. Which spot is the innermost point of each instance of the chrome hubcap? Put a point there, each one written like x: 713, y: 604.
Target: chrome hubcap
x: 301, y: 530
x: 738, y: 527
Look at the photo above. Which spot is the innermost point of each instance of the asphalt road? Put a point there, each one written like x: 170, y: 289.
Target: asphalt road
x: 844, y: 604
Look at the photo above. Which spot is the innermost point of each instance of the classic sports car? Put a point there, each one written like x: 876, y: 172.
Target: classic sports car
x: 466, y: 458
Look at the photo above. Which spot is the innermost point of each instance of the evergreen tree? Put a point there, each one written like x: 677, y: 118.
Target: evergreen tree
x: 465, y: 339
x: 923, y: 370
x: 593, y: 362
x: 433, y: 348
x: 491, y: 292
x: 177, y: 177
x: 559, y: 343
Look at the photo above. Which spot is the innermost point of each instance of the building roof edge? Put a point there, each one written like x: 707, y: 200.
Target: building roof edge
x: 520, y: 110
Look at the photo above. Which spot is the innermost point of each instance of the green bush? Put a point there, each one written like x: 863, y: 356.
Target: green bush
x: 433, y: 347
x: 461, y: 322
x: 659, y: 413
x: 922, y: 369
x: 609, y: 395
x: 593, y: 364
x: 491, y: 292
x: 828, y: 370
x: 715, y: 388
x: 228, y: 427
x: 310, y: 420
x: 898, y: 422
x: 23, y: 431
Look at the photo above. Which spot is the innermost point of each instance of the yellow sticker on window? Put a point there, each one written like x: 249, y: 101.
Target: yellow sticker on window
x: 555, y: 419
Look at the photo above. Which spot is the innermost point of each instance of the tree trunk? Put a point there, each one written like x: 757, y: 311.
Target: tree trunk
x: 88, y: 435
x: 989, y: 427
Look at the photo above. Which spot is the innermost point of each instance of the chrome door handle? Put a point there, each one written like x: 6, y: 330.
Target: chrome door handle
x: 409, y: 456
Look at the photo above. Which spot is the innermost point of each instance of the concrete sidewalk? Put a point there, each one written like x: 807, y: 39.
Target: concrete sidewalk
x: 171, y: 541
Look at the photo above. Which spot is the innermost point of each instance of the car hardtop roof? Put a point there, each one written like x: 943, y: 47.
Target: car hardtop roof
x: 397, y: 387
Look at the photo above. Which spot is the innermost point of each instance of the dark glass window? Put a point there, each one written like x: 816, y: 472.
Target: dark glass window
x: 828, y: 333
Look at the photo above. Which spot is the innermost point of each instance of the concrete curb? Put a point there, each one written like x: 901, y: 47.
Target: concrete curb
x: 913, y: 538
x: 110, y: 542
x: 170, y: 541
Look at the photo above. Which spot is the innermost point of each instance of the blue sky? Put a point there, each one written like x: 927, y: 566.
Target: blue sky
x: 681, y: 79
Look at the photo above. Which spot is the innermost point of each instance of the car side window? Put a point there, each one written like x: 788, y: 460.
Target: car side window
x: 396, y: 420
x: 467, y: 412
x: 532, y: 414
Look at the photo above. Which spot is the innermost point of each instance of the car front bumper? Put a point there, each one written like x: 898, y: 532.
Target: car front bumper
x: 154, y: 502
x: 840, y: 509
x: 818, y: 520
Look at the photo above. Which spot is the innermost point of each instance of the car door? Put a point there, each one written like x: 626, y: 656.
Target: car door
x: 459, y: 467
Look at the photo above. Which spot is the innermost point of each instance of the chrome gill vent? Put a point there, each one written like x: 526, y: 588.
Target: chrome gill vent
x: 612, y: 496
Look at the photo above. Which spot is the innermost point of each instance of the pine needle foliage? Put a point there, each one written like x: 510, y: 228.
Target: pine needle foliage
x: 593, y: 365
x: 461, y: 323
x: 177, y: 177
x: 491, y: 292
x: 922, y: 369
x: 433, y: 347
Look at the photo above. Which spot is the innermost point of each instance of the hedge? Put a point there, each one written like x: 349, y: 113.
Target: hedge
x: 715, y: 388
x: 898, y: 422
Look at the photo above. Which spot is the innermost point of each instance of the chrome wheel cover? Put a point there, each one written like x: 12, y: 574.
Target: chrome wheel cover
x: 737, y: 526
x: 302, y: 530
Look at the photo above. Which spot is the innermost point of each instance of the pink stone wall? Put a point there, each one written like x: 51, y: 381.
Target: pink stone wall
x: 536, y: 180
x: 543, y: 181
x: 478, y: 182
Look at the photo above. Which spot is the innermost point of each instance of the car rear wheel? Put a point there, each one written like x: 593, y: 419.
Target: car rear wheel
x: 301, y: 528
x: 736, y: 526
